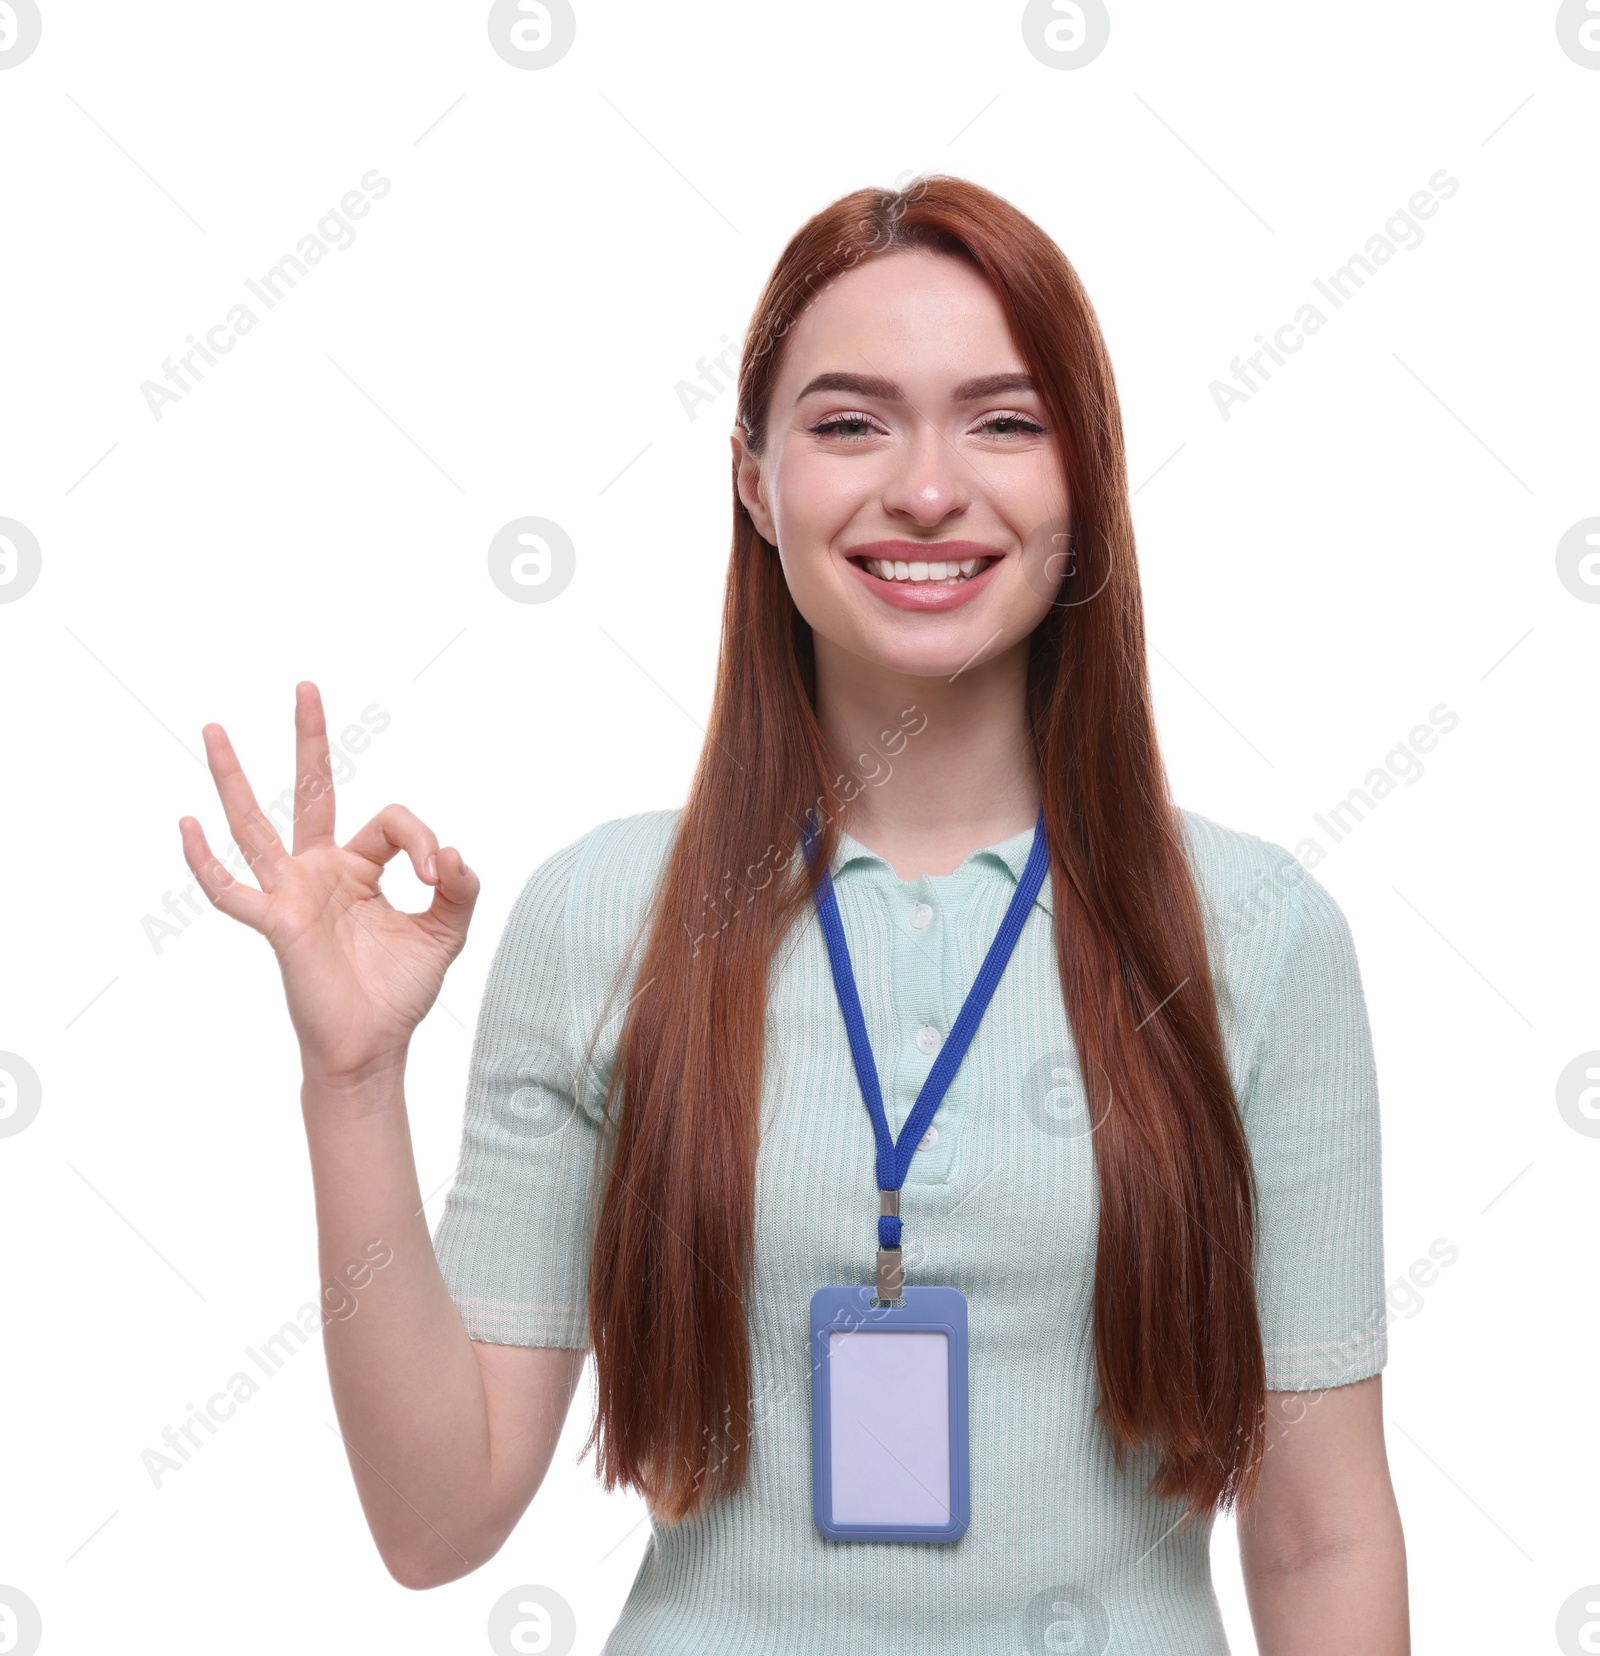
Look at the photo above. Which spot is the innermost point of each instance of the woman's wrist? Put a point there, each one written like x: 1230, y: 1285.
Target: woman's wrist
x: 373, y: 1088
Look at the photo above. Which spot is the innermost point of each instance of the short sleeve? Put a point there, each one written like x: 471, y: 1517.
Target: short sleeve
x: 513, y: 1242
x: 1311, y: 1116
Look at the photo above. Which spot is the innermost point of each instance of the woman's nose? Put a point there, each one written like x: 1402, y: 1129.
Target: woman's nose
x: 927, y: 482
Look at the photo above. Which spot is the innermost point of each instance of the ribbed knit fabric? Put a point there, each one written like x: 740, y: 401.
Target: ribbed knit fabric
x: 1001, y: 1202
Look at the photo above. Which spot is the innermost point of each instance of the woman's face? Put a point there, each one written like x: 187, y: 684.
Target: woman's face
x: 910, y: 481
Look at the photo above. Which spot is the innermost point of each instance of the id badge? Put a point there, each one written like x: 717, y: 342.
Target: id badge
x: 889, y: 1415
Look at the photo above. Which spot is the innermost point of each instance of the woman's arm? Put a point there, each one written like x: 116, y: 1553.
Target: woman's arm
x: 448, y: 1438
x: 1323, y: 1554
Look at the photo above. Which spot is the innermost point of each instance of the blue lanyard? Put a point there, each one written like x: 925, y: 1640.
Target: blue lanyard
x: 894, y: 1157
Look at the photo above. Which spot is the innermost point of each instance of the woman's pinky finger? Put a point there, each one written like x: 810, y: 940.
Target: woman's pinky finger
x: 233, y: 897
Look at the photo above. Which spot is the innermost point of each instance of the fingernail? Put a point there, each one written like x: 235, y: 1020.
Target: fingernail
x: 431, y: 867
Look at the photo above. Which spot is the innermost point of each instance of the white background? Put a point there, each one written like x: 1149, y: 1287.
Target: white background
x: 1370, y: 536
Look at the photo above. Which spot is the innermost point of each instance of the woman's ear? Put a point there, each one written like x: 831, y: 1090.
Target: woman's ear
x: 752, y: 486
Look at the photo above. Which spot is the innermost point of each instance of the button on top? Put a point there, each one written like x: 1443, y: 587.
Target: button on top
x: 928, y: 1139
x: 928, y: 1039
x: 921, y: 915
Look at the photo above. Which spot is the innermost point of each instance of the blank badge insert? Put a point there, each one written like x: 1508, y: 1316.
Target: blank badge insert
x: 889, y: 1419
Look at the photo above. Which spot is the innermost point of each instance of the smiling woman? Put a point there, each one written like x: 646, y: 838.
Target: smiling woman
x: 962, y: 472
x: 970, y: 1387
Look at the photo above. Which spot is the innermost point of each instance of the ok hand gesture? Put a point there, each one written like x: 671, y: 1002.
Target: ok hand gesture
x: 359, y: 974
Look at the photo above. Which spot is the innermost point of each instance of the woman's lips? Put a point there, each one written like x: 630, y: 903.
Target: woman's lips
x: 927, y: 595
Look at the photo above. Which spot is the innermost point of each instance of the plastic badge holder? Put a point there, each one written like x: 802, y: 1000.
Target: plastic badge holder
x: 889, y: 1415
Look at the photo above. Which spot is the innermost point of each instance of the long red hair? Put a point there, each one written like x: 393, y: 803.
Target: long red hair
x: 1177, y: 1342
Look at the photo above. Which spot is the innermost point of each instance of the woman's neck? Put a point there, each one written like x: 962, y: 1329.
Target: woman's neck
x: 943, y: 765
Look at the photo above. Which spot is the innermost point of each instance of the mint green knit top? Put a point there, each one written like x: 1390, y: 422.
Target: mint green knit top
x: 1063, y: 1551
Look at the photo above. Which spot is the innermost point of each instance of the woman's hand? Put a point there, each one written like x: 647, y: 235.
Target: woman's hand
x: 359, y: 974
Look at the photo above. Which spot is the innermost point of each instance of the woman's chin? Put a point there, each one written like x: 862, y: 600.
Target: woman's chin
x: 943, y: 651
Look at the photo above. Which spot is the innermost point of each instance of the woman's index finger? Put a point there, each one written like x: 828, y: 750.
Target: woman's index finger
x: 313, y: 770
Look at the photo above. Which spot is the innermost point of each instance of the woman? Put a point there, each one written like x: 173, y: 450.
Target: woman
x: 1154, y: 1177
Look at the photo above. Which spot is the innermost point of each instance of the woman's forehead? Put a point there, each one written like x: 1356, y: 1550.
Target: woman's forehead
x: 901, y: 316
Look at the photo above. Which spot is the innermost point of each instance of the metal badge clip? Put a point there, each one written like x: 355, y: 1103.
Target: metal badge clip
x: 891, y: 1278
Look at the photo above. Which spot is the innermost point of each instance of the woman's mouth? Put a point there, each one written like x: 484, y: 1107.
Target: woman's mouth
x: 947, y: 573
x: 925, y: 582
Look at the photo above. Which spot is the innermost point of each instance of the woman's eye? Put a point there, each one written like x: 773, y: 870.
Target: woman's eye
x: 1011, y: 425
x: 844, y: 425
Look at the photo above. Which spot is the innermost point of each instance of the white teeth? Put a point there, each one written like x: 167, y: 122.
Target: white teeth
x: 887, y: 569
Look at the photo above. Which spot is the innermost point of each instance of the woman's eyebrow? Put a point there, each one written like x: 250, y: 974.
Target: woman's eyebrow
x: 992, y: 385
x: 873, y: 385
x: 861, y: 385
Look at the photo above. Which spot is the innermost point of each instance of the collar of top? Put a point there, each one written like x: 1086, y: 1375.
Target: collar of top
x: 1007, y: 857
